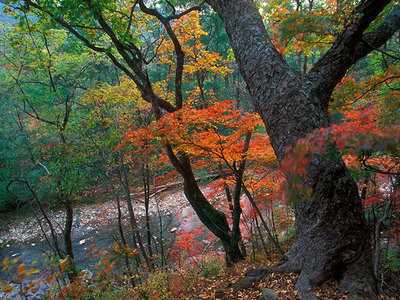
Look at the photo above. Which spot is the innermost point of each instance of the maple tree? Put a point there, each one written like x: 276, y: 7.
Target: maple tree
x: 217, y: 138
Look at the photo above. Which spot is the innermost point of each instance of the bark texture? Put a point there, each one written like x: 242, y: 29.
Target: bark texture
x: 214, y: 219
x: 332, y: 238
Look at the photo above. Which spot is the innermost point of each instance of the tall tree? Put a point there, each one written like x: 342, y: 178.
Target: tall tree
x: 332, y: 237
x: 116, y: 29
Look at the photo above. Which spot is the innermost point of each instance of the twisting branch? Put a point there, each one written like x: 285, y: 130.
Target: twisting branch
x: 66, y: 25
x: 176, y: 16
x: 135, y: 62
x: 375, y: 39
x: 374, y: 87
x: 128, y: 27
x: 351, y: 45
x: 172, y: 6
x: 25, y: 100
x: 180, y: 55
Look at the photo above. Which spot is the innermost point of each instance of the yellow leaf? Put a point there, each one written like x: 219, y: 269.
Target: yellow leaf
x: 6, y: 288
x: 64, y: 264
x: 6, y: 263
x: 32, y: 271
x: 116, y: 248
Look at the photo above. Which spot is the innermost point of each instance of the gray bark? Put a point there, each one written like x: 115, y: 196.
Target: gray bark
x: 332, y: 238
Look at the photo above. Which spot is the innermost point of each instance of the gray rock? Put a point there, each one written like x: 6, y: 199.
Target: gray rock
x: 244, y: 283
x: 268, y: 294
x: 250, y: 278
x: 259, y: 273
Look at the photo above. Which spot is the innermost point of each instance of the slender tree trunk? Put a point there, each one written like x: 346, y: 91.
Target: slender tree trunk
x: 132, y: 218
x: 124, y: 243
x: 69, y: 215
x: 146, y: 186
x: 53, y: 232
x: 260, y: 235
x: 233, y: 253
x: 214, y: 219
x: 236, y: 212
x: 160, y: 221
x: 200, y: 84
x: 270, y: 234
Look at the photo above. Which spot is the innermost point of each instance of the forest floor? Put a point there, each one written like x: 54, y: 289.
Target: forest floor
x: 282, y: 285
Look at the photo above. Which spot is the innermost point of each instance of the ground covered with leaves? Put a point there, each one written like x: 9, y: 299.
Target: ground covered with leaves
x: 223, y: 286
x: 283, y: 284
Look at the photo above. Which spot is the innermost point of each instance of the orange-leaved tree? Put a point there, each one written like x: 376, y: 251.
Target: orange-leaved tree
x: 217, y: 138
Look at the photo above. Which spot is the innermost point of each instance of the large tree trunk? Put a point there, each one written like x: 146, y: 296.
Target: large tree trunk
x: 332, y: 238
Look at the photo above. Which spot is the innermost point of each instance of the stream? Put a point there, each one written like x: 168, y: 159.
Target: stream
x: 95, y: 229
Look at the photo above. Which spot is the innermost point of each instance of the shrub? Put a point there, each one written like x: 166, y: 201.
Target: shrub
x: 156, y: 286
x: 392, y: 258
x: 211, y: 267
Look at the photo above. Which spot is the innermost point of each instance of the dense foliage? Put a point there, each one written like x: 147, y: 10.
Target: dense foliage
x: 118, y: 100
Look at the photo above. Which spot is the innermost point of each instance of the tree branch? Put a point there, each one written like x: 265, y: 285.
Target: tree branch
x: 352, y: 45
x: 133, y: 65
x: 176, y: 16
x: 180, y: 55
x: 377, y: 38
x: 67, y: 26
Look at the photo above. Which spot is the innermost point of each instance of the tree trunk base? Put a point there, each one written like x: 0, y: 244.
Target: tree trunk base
x: 233, y: 253
x: 356, y: 278
x: 332, y: 238
x: 232, y: 258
